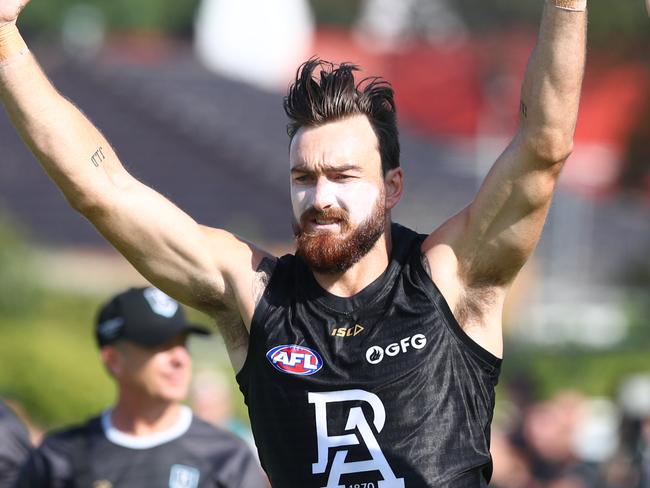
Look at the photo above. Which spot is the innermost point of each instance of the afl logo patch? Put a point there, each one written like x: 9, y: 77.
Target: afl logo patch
x: 295, y: 360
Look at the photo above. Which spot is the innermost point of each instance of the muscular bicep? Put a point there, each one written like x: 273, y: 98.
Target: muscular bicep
x: 499, y: 230
x: 186, y: 260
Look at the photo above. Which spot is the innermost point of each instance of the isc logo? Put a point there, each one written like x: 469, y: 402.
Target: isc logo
x: 295, y: 360
x: 348, y: 331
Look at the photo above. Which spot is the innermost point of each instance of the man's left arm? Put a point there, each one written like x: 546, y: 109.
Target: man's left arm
x: 476, y: 255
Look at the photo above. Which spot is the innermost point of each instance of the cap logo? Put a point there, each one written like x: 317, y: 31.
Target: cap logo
x: 110, y: 329
x: 160, y: 303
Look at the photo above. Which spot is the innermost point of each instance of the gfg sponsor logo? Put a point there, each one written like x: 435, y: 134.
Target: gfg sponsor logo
x: 293, y: 359
x: 376, y: 354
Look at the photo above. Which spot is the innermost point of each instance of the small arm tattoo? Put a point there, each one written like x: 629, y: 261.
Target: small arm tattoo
x: 524, y: 109
x: 97, y: 157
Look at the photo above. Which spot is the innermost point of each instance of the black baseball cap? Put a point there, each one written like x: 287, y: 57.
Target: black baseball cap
x: 145, y: 316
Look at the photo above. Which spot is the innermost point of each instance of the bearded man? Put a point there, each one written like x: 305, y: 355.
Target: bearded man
x: 369, y: 358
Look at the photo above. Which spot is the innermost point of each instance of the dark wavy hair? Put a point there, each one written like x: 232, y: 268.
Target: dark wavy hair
x: 324, y: 92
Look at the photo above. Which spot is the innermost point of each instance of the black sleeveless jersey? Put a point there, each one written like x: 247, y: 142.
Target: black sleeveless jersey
x: 379, y: 390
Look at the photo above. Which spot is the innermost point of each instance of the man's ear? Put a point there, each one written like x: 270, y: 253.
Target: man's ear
x: 111, y: 357
x: 394, y: 184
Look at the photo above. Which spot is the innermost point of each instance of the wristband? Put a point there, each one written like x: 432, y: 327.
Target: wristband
x: 571, y: 5
x: 11, y: 43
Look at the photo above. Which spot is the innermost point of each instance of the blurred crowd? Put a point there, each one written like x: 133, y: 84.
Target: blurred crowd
x: 573, y: 441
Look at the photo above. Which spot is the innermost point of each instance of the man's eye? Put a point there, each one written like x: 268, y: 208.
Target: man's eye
x: 301, y: 178
x: 342, y: 177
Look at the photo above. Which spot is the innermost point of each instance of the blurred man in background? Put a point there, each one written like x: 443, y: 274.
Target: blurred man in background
x: 148, y: 438
x: 14, y: 445
x: 370, y: 357
x: 211, y: 398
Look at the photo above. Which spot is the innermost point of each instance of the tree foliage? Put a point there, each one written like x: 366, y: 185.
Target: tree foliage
x: 147, y: 15
x: 621, y: 21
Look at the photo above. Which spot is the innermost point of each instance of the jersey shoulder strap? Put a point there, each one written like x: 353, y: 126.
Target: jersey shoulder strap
x: 280, y: 287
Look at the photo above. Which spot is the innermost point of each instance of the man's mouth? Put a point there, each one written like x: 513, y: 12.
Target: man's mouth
x: 326, y: 221
x: 315, y: 222
x: 326, y: 224
x: 175, y: 377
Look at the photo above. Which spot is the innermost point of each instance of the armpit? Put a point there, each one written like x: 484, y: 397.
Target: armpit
x: 474, y: 304
x: 232, y: 329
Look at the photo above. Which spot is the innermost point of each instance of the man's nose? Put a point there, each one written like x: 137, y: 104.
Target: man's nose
x: 179, y: 355
x: 324, y: 194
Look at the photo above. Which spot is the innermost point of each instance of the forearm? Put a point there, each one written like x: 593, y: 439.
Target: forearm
x: 72, y: 151
x: 553, y: 81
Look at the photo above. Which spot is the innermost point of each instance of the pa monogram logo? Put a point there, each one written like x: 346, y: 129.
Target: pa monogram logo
x: 357, y: 432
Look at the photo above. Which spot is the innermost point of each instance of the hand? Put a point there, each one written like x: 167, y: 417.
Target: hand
x: 9, y: 10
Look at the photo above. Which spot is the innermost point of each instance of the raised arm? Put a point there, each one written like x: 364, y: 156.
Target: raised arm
x: 476, y: 255
x: 202, y: 267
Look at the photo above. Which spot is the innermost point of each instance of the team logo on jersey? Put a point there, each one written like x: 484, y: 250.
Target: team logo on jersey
x: 348, y: 331
x: 376, y: 354
x: 295, y: 360
x: 359, y: 431
x: 183, y: 477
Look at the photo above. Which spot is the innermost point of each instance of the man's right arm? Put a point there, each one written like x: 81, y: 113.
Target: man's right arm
x: 197, y: 265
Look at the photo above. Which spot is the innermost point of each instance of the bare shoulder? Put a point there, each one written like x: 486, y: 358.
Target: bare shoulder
x: 234, y: 255
x: 440, y: 261
x: 244, y: 267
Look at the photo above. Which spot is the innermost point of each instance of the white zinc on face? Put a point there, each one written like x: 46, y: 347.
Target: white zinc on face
x: 356, y: 197
x: 336, y: 166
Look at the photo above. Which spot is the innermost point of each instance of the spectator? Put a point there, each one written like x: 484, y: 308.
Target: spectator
x: 211, y: 398
x: 148, y: 438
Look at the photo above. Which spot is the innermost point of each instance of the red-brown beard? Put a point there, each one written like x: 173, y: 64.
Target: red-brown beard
x: 329, y: 253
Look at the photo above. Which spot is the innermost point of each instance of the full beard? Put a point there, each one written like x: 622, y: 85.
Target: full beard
x: 330, y: 253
